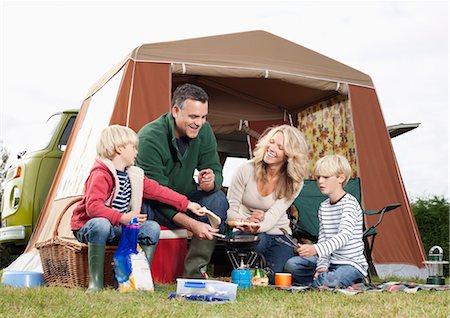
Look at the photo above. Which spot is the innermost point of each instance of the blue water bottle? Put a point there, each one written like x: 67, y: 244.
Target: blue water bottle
x: 241, y: 277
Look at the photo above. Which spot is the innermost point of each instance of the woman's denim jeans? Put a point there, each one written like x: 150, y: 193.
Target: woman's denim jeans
x: 101, y: 231
x: 275, y: 253
x: 303, y: 269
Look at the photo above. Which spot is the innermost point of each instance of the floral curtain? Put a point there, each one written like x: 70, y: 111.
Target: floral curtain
x: 328, y: 128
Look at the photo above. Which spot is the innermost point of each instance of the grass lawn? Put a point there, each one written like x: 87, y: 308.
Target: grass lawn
x: 254, y: 302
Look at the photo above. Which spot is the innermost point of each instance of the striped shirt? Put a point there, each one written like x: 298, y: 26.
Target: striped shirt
x: 121, y: 202
x: 340, y: 234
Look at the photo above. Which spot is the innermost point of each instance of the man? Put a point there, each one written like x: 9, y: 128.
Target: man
x: 170, y: 149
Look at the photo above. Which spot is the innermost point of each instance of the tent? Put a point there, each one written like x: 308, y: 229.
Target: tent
x: 255, y: 79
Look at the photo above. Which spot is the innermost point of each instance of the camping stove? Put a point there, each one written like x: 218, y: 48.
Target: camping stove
x: 241, y: 252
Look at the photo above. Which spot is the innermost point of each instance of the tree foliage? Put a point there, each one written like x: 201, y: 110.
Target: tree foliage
x: 432, y: 218
x: 4, y: 156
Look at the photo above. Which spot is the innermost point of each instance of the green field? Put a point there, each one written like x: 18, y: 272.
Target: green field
x: 253, y: 302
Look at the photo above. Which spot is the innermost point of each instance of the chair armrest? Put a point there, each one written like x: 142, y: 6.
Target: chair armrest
x: 369, y: 232
x: 371, y: 212
x: 385, y: 209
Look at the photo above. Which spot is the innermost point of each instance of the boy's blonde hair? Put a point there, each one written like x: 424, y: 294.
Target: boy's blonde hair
x: 112, y: 136
x: 333, y: 165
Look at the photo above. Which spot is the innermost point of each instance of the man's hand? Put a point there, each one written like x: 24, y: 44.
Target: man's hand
x: 306, y: 250
x: 196, y: 208
x: 318, y: 271
x: 199, y: 229
x: 202, y: 230
x: 127, y: 217
x: 206, y: 179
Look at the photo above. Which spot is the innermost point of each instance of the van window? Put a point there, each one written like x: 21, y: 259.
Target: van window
x: 49, y: 129
x: 66, y: 134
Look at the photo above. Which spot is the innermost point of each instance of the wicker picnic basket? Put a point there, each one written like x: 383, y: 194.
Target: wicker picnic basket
x: 65, y: 262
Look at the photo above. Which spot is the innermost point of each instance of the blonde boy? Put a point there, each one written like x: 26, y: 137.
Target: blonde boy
x: 113, y: 196
x: 337, y: 259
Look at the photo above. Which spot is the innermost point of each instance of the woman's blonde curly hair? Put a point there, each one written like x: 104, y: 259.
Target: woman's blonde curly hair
x: 296, y: 167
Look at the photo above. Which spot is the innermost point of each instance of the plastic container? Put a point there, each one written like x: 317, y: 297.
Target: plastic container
x: 242, y: 277
x: 212, y: 288
x: 283, y: 279
x: 23, y: 279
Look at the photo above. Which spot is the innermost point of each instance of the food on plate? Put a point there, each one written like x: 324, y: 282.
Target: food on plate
x: 260, y: 281
x: 241, y: 223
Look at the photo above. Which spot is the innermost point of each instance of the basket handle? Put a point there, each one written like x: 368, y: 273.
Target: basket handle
x: 66, y: 208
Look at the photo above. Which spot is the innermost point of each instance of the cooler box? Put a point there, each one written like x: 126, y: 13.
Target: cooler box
x: 168, y: 262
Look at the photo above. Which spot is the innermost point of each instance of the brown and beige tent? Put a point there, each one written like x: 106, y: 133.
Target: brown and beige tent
x: 254, y: 79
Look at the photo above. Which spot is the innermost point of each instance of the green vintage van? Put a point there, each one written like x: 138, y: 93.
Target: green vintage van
x: 28, y: 181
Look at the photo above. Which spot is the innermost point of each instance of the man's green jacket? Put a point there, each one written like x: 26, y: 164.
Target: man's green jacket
x: 158, y: 155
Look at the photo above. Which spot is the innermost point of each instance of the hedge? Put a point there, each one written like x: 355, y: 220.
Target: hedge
x: 432, y: 218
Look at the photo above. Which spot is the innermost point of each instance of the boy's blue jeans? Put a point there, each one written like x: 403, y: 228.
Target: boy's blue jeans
x: 101, y: 231
x: 303, y: 269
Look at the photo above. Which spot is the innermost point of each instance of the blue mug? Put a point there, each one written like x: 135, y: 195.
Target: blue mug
x: 241, y: 277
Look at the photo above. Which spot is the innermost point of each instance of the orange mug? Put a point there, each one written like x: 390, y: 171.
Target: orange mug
x: 283, y: 279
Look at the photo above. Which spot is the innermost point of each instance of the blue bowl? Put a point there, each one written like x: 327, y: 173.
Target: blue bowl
x: 23, y: 279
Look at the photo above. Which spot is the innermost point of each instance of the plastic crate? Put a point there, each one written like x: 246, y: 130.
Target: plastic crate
x: 212, y: 288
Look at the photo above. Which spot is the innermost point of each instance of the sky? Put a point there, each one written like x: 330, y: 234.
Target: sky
x: 53, y: 51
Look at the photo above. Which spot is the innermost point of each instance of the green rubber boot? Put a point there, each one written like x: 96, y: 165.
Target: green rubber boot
x: 198, y: 257
x: 149, y: 251
x: 96, y: 254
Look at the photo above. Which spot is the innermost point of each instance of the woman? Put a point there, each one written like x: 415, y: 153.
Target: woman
x: 265, y: 187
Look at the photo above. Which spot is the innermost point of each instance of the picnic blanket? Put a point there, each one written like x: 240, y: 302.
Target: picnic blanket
x: 391, y: 287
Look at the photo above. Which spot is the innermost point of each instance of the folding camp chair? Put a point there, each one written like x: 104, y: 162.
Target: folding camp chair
x: 371, y: 232
x: 305, y: 223
x: 303, y: 214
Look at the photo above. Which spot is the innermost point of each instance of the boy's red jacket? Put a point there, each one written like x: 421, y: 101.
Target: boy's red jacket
x: 101, y: 189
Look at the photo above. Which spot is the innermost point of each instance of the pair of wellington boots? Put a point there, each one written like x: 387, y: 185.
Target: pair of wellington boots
x: 96, y: 258
x: 198, y: 257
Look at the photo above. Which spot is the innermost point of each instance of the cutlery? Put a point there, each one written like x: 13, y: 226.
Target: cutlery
x: 218, y: 235
x: 280, y: 240
x: 286, y: 234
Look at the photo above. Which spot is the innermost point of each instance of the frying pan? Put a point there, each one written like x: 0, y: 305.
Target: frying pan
x: 239, y: 242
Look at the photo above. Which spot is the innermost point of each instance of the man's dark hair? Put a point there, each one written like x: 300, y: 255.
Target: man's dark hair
x: 188, y: 91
